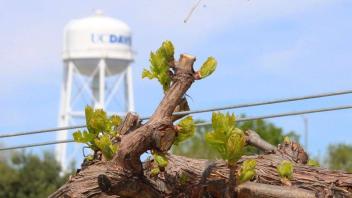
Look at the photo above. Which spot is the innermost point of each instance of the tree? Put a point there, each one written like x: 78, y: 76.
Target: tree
x: 196, y: 146
x: 27, y: 175
x: 340, y: 157
x: 116, y: 170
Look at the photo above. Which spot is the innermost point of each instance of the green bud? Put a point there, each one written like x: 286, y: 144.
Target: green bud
x: 313, y: 163
x: 105, y: 145
x: 115, y: 120
x: 247, y: 171
x: 208, y: 67
x: 287, y: 140
x: 168, y: 49
x: 147, y: 74
x: 154, y: 172
x: 89, y: 158
x: 187, y: 129
x: 234, y: 146
x: 285, y: 169
x: 249, y: 164
x: 160, y: 159
x: 247, y: 176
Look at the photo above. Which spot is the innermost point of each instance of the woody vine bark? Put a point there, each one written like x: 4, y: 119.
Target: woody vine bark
x: 125, y: 175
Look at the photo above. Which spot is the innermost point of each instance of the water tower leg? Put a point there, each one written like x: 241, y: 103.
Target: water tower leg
x: 60, y: 149
x: 102, y: 67
x: 129, y: 90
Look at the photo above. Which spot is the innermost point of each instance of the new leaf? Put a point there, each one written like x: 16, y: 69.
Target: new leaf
x: 186, y: 130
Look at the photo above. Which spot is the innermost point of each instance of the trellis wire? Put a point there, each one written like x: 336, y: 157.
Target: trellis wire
x: 205, y: 123
x: 236, y: 106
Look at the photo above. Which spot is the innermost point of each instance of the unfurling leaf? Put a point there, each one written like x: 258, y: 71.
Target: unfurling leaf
x: 89, y: 158
x: 154, y: 172
x: 187, y: 128
x: 247, y: 171
x: 83, y: 137
x: 225, y: 138
x: 168, y: 49
x: 89, y: 111
x: 208, y: 67
x: 160, y: 159
x: 115, y: 120
x: 235, y: 145
x: 99, y: 121
x: 101, y: 130
x: 147, y: 74
x: 96, y: 120
x: 159, y: 67
x: 249, y: 164
x: 313, y: 163
x: 285, y: 169
x: 105, y: 145
x: 287, y: 140
x: 247, y: 176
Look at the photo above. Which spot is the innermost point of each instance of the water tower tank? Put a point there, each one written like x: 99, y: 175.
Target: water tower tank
x: 87, y: 40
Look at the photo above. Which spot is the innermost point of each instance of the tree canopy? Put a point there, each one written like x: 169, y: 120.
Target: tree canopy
x: 26, y: 175
x: 339, y: 157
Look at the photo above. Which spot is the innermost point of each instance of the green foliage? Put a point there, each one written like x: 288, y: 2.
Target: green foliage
x: 101, y: 129
x: 285, y: 169
x: 313, y: 163
x: 83, y: 136
x: 287, y: 140
x: 168, y: 50
x: 160, y: 159
x: 196, y: 147
x: 30, y: 176
x: 159, y: 67
x: 186, y: 130
x: 208, y: 67
x: 339, y: 157
x: 115, y: 121
x: 247, y: 171
x: 154, y: 172
x: 89, y: 158
x: 228, y: 140
x: 184, y: 178
x: 105, y: 145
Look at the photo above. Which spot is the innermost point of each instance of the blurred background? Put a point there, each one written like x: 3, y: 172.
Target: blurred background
x: 265, y: 50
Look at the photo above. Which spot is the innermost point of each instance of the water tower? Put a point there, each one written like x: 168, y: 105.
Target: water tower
x: 97, y: 55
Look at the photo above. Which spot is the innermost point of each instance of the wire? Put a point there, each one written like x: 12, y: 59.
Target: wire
x: 208, y: 123
x: 287, y: 114
x: 36, y: 144
x: 267, y: 102
x: 236, y: 106
x: 41, y: 131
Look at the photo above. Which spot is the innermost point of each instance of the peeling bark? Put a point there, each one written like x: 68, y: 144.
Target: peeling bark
x: 183, y: 178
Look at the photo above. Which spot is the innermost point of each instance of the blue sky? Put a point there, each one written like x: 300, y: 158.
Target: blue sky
x: 265, y: 49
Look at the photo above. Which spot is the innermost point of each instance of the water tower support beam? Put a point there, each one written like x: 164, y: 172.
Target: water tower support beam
x: 102, y: 68
x: 113, y: 92
x: 65, y: 116
x: 129, y: 90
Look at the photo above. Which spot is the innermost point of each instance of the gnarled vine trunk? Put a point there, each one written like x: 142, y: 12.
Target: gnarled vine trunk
x: 126, y: 176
